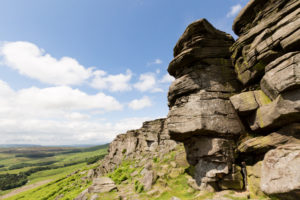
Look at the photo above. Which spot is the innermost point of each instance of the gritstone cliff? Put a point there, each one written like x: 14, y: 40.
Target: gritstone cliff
x: 234, y: 105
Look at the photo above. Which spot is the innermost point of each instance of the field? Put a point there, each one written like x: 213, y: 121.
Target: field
x: 34, y: 165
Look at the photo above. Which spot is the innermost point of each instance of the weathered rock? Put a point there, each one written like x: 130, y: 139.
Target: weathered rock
x: 82, y: 195
x: 262, y: 144
x: 283, y: 74
x: 200, y: 40
x: 267, y: 30
x: 282, y: 111
x: 203, y: 113
x: 247, y: 102
x: 153, y: 137
x: 102, y: 184
x: 253, y: 180
x: 233, y: 181
x: 148, y: 179
x: 212, y: 78
x: 94, y: 197
x: 281, y: 173
x: 212, y: 158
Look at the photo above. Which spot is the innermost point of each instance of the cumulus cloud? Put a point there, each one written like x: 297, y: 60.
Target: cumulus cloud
x: 114, y: 83
x: 234, y: 10
x: 52, y: 102
x: 147, y: 82
x: 167, y: 79
x: 138, y: 104
x: 58, y: 115
x: 32, y: 61
x: 155, y: 62
x: 53, y: 132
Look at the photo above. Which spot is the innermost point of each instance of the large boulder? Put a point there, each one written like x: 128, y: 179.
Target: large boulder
x: 281, y: 172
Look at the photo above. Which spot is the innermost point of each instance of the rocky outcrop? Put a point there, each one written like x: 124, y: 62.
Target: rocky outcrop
x: 235, y: 105
x: 152, y: 138
x: 199, y: 97
x: 201, y: 115
x: 227, y: 132
x: 266, y: 30
x: 267, y: 62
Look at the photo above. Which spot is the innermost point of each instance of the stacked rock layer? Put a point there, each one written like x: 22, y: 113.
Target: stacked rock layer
x: 249, y: 139
x: 201, y: 115
x: 152, y: 139
x: 267, y: 61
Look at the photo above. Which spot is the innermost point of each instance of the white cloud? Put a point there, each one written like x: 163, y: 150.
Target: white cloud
x: 167, y: 79
x: 147, y: 82
x: 155, y: 62
x: 53, y: 132
x: 52, y: 102
x: 234, y: 10
x: 138, y: 104
x: 58, y: 115
x: 31, y: 61
x: 114, y: 83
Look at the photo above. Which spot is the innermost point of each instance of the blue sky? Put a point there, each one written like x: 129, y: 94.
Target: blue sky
x: 83, y: 71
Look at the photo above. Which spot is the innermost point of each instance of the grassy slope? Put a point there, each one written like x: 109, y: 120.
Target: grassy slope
x: 9, y: 159
x: 68, y: 187
x: 52, y: 174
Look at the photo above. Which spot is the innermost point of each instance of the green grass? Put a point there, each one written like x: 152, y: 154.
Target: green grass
x: 61, y: 158
x: 54, y: 173
x: 8, y: 156
x: 68, y: 187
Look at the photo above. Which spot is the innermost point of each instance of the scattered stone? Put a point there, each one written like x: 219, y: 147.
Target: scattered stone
x: 173, y: 164
x: 103, y: 184
x: 148, y: 179
x: 153, y: 192
x: 94, y: 197
x: 82, y: 195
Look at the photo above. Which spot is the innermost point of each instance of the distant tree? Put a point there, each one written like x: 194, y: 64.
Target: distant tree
x: 9, y: 181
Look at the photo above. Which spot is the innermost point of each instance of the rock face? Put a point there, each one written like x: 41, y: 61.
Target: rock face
x: 227, y: 132
x: 281, y: 172
x: 201, y: 114
x: 235, y: 105
x: 267, y: 62
x: 266, y: 30
x: 151, y: 139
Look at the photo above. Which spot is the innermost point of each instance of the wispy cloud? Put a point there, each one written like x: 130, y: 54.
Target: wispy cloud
x: 234, y: 10
x: 155, y: 62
